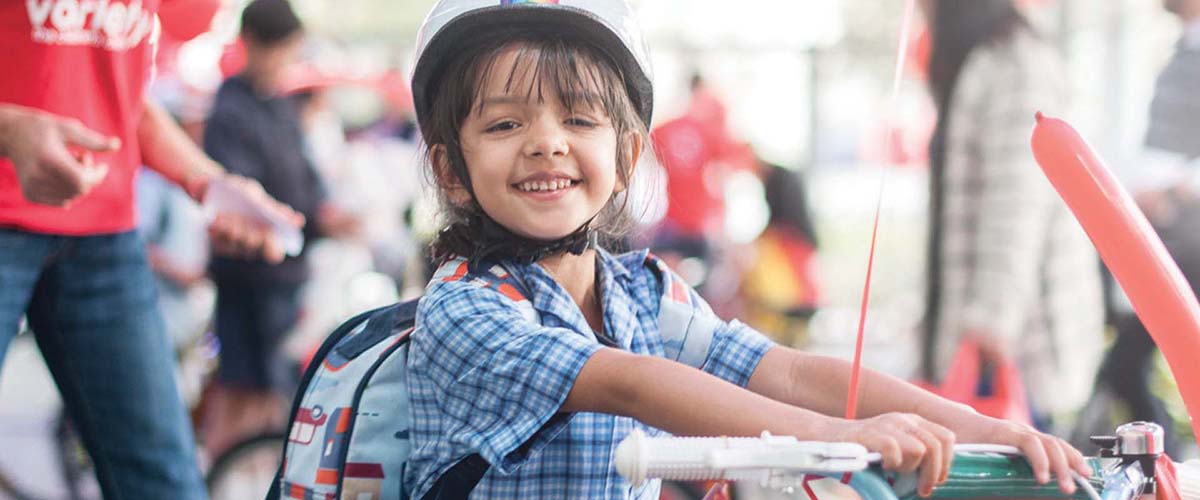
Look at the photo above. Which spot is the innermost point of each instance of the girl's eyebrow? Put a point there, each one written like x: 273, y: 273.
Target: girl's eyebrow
x: 583, y: 96
x: 587, y: 98
x: 503, y: 99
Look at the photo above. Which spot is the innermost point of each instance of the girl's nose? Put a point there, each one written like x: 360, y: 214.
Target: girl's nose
x: 546, y: 140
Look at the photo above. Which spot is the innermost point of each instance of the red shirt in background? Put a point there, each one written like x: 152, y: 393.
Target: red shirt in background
x: 84, y: 59
x: 685, y: 148
x: 689, y: 149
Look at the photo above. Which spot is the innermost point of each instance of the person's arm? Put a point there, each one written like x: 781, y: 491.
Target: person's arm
x: 168, y: 150
x: 822, y: 384
x: 682, y: 400
x: 686, y: 401
x: 39, y: 145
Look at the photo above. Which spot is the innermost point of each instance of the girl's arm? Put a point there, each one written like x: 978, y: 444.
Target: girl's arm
x: 822, y: 384
x: 682, y: 400
x: 685, y: 401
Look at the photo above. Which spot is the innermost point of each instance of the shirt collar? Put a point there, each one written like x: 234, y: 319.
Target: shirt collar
x: 549, y: 298
x: 610, y: 265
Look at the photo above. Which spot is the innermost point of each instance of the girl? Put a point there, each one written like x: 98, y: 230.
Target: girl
x: 535, y: 114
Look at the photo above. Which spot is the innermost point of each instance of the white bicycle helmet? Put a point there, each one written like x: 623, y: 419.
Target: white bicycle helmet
x: 608, y: 24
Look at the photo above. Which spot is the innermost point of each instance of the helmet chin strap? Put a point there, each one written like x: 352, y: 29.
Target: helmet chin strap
x: 490, y: 241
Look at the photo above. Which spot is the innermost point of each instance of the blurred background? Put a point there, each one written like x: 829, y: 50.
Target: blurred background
x: 808, y: 129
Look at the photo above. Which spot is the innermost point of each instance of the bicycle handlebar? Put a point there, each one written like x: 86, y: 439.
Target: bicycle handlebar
x: 782, y: 462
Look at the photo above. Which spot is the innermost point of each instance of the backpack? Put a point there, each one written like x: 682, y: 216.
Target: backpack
x: 348, y: 435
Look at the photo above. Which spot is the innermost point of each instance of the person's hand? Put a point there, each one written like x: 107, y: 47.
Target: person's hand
x: 335, y: 222
x: 244, y: 237
x: 1046, y: 454
x: 52, y: 155
x: 906, y: 442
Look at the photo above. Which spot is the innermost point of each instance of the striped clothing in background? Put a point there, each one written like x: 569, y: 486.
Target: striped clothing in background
x: 1014, y: 262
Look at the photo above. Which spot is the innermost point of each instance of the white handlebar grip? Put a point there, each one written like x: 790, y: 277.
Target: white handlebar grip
x: 683, y: 459
x: 639, y: 457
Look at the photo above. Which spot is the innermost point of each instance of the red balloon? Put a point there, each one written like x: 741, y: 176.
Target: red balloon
x: 1133, y: 252
x: 184, y: 20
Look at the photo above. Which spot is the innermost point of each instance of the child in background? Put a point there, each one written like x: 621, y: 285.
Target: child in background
x: 535, y: 114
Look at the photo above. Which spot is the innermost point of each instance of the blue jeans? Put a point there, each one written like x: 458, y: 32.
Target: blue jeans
x: 91, y: 304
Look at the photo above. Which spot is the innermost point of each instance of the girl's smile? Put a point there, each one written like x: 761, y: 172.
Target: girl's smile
x: 546, y: 185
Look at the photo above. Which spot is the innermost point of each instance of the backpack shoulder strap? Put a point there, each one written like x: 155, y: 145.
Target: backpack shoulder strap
x: 458, y: 482
x: 687, y: 328
x: 379, y: 323
x: 497, y: 276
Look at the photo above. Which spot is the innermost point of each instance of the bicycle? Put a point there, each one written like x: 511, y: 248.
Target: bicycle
x: 246, y: 469
x: 1129, y: 465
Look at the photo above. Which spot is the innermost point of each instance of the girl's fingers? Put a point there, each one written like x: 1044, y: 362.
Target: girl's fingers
x: 946, y: 439
x: 932, y: 463
x: 1036, y: 455
x: 1076, y: 459
x: 1058, y: 463
x: 890, y: 451
x: 912, y: 449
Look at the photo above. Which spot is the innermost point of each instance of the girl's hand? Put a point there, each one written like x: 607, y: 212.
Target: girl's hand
x: 1046, y: 454
x: 907, y: 442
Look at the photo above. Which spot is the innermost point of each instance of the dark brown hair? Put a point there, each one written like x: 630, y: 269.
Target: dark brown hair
x: 269, y: 22
x: 576, y: 73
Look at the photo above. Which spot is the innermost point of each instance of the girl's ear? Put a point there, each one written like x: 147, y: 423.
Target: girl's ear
x: 444, y: 174
x: 633, y: 151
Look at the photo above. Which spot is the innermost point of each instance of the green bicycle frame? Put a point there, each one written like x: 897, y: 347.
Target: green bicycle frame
x: 986, y: 475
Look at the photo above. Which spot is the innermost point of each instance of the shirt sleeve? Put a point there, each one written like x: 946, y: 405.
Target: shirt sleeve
x: 735, y: 352
x: 685, y: 319
x: 497, y: 378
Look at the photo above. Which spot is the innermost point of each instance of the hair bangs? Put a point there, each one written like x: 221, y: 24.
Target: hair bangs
x: 555, y: 70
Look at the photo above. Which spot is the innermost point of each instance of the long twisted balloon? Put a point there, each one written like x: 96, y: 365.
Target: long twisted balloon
x: 1128, y: 245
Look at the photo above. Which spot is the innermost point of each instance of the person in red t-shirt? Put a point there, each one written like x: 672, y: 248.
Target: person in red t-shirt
x: 74, y: 128
x: 697, y: 152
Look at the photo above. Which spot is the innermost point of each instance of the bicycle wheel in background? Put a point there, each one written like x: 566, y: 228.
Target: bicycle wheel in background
x: 246, y: 469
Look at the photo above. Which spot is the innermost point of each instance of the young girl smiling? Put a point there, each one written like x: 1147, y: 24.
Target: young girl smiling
x: 535, y: 114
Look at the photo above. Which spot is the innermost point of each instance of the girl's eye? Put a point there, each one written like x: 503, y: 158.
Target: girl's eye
x: 503, y: 126
x: 581, y: 122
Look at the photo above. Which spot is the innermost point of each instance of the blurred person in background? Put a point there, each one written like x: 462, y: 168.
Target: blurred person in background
x: 75, y: 125
x: 1009, y: 268
x: 172, y: 228
x: 1164, y: 184
x: 694, y: 151
x: 779, y: 291
x: 256, y: 132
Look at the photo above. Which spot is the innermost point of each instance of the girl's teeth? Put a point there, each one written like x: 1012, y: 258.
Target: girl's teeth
x: 545, y: 186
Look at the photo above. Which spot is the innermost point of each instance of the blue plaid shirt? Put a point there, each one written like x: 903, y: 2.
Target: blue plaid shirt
x: 489, y: 374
